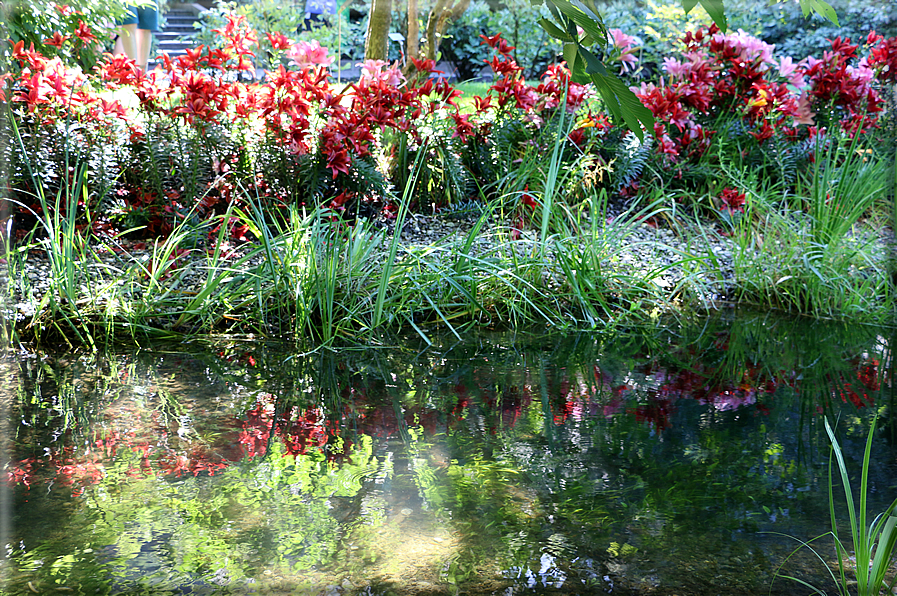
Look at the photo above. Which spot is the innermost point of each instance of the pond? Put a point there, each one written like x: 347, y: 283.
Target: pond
x: 682, y: 461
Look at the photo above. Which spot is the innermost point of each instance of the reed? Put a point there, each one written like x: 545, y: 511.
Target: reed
x: 872, y: 546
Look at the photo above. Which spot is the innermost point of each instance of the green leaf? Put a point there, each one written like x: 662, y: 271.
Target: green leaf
x: 623, y: 103
x: 555, y: 31
x: 576, y: 64
x: 581, y: 15
x: 584, y: 64
x: 687, y: 5
x: 571, y: 54
x: 716, y: 11
x: 593, y: 64
x: 820, y: 7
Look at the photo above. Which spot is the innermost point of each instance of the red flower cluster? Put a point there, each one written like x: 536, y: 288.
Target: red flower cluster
x: 731, y: 200
x: 303, y: 116
x: 846, y: 90
x: 883, y: 56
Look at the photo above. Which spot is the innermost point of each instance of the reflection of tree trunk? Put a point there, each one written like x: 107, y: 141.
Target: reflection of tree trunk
x: 9, y: 384
x: 413, y: 42
x: 441, y: 16
x: 375, y: 45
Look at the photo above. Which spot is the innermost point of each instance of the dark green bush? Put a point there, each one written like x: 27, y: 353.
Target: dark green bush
x: 784, y: 25
x: 34, y: 21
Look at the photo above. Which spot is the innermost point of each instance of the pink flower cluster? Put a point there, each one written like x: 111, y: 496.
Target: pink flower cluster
x: 717, y: 74
x: 307, y: 54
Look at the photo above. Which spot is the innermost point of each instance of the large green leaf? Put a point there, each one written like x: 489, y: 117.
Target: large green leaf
x: 716, y: 10
x: 585, y: 17
x: 555, y: 31
x: 585, y: 65
x: 713, y: 7
x: 624, y: 104
x: 819, y: 7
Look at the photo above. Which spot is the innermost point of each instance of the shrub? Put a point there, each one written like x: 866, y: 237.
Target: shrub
x: 729, y: 100
x: 200, y: 133
x: 658, y: 24
x: 77, y: 32
x: 338, y: 32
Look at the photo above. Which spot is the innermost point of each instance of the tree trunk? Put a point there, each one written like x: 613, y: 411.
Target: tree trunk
x: 412, y: 43
x: 377, y: 42
x: 440, y: 17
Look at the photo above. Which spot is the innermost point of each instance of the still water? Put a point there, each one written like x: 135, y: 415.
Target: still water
x: 662, y: 462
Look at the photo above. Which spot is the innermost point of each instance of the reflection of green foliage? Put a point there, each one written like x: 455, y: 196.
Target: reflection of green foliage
x: 617, y: 550
x: 529, y: 452
x: 210, y: 526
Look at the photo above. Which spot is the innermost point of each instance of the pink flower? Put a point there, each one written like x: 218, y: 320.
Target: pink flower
x: 675, y: 69
x: 372, y: 70
x: 861, y: 73
x: 620, y: 40
x: 622, y: 46
x: 749, y: 47
x: 788, y: 69
x: 307, y: 54
x: 804, y: 112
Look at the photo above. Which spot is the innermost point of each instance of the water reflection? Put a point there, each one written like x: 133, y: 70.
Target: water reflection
x: 617, y: 463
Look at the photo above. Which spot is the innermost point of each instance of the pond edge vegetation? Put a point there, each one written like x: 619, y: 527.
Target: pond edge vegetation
x: 805, y: 242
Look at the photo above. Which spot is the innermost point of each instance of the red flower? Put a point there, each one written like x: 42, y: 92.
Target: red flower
x: 491, y: 41
x: 482, y: 103
x: 732, y: 200
x: 884, y: 58
x: 448, y: 92
x: 426, y: 66
x: 463, y: 128
x: 503, y: 66
x: 118, y: 70
x: 528, y: 200
x: 84, y: 33
x: 57, y: 40
x: 279, y: 41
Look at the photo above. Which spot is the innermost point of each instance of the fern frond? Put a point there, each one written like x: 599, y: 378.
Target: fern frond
x: 631, y: 157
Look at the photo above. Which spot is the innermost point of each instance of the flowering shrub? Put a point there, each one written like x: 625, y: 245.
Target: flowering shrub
x: 201, y: 132
x: 731, y: 92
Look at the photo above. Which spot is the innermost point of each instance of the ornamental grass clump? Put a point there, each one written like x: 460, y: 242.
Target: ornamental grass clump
x: 873, y: 546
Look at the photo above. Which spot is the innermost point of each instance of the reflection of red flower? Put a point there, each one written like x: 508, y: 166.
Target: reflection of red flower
x: 867, y: 373
x: 22, y: 472
x: 656, y: 414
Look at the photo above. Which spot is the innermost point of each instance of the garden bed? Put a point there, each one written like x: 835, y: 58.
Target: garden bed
x: 258, y: 207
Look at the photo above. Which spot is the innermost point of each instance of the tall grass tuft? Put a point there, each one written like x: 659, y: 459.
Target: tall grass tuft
x: 805, y: 253
x: 843, y: 184
x: 873, y: 545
